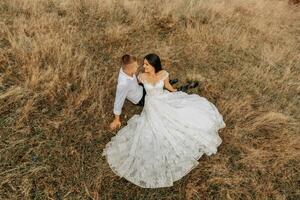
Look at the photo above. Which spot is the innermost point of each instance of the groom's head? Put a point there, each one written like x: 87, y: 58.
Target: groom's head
x: 129, y: 63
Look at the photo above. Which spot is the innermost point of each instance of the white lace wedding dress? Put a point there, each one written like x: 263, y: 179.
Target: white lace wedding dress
x: 164, y: 142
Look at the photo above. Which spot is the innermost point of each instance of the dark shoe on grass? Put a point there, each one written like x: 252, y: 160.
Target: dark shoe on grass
x: 189, y: 85
x: 192, y: 84
x: 173, y: 81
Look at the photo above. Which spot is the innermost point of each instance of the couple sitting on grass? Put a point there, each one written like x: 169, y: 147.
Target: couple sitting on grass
x: 162, y: 143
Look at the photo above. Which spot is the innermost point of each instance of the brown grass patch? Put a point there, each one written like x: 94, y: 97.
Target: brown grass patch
x: 58, y: 66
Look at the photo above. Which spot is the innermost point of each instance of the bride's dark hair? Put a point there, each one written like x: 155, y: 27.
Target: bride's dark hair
x: 154, y: 60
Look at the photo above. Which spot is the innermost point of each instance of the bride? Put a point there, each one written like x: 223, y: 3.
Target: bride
x: 164, y: 142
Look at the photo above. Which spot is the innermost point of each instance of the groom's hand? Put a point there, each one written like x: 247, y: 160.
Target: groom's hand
x: 115, y: 124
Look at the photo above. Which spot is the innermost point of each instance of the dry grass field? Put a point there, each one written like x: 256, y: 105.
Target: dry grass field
x: 59, y: 62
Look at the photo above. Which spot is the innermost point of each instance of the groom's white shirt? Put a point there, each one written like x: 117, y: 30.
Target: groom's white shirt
x: 129, y: 88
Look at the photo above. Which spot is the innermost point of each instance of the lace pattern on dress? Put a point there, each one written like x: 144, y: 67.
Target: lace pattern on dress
x: 162, y: 76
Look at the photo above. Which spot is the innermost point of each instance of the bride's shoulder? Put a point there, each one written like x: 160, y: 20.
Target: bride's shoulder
x: 164, y: 74
x: 163, y: 71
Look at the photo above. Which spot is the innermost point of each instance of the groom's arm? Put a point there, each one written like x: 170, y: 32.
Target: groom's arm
x: 121, y: 94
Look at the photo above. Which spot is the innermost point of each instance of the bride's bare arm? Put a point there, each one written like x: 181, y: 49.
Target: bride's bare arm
x: 168, y: 86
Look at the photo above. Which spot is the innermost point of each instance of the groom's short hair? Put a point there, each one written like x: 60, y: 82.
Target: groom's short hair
x: 128, y: 59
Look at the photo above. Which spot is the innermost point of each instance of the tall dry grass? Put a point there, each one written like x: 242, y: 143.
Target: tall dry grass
x: 59, y: 62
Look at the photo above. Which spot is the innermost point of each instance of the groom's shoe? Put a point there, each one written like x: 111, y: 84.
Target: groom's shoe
x: 173, y: 81
x: 190, y: 85
x: 183, y: 88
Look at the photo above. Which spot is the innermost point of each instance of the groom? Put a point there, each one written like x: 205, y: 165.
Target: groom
x: 128, y: 87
